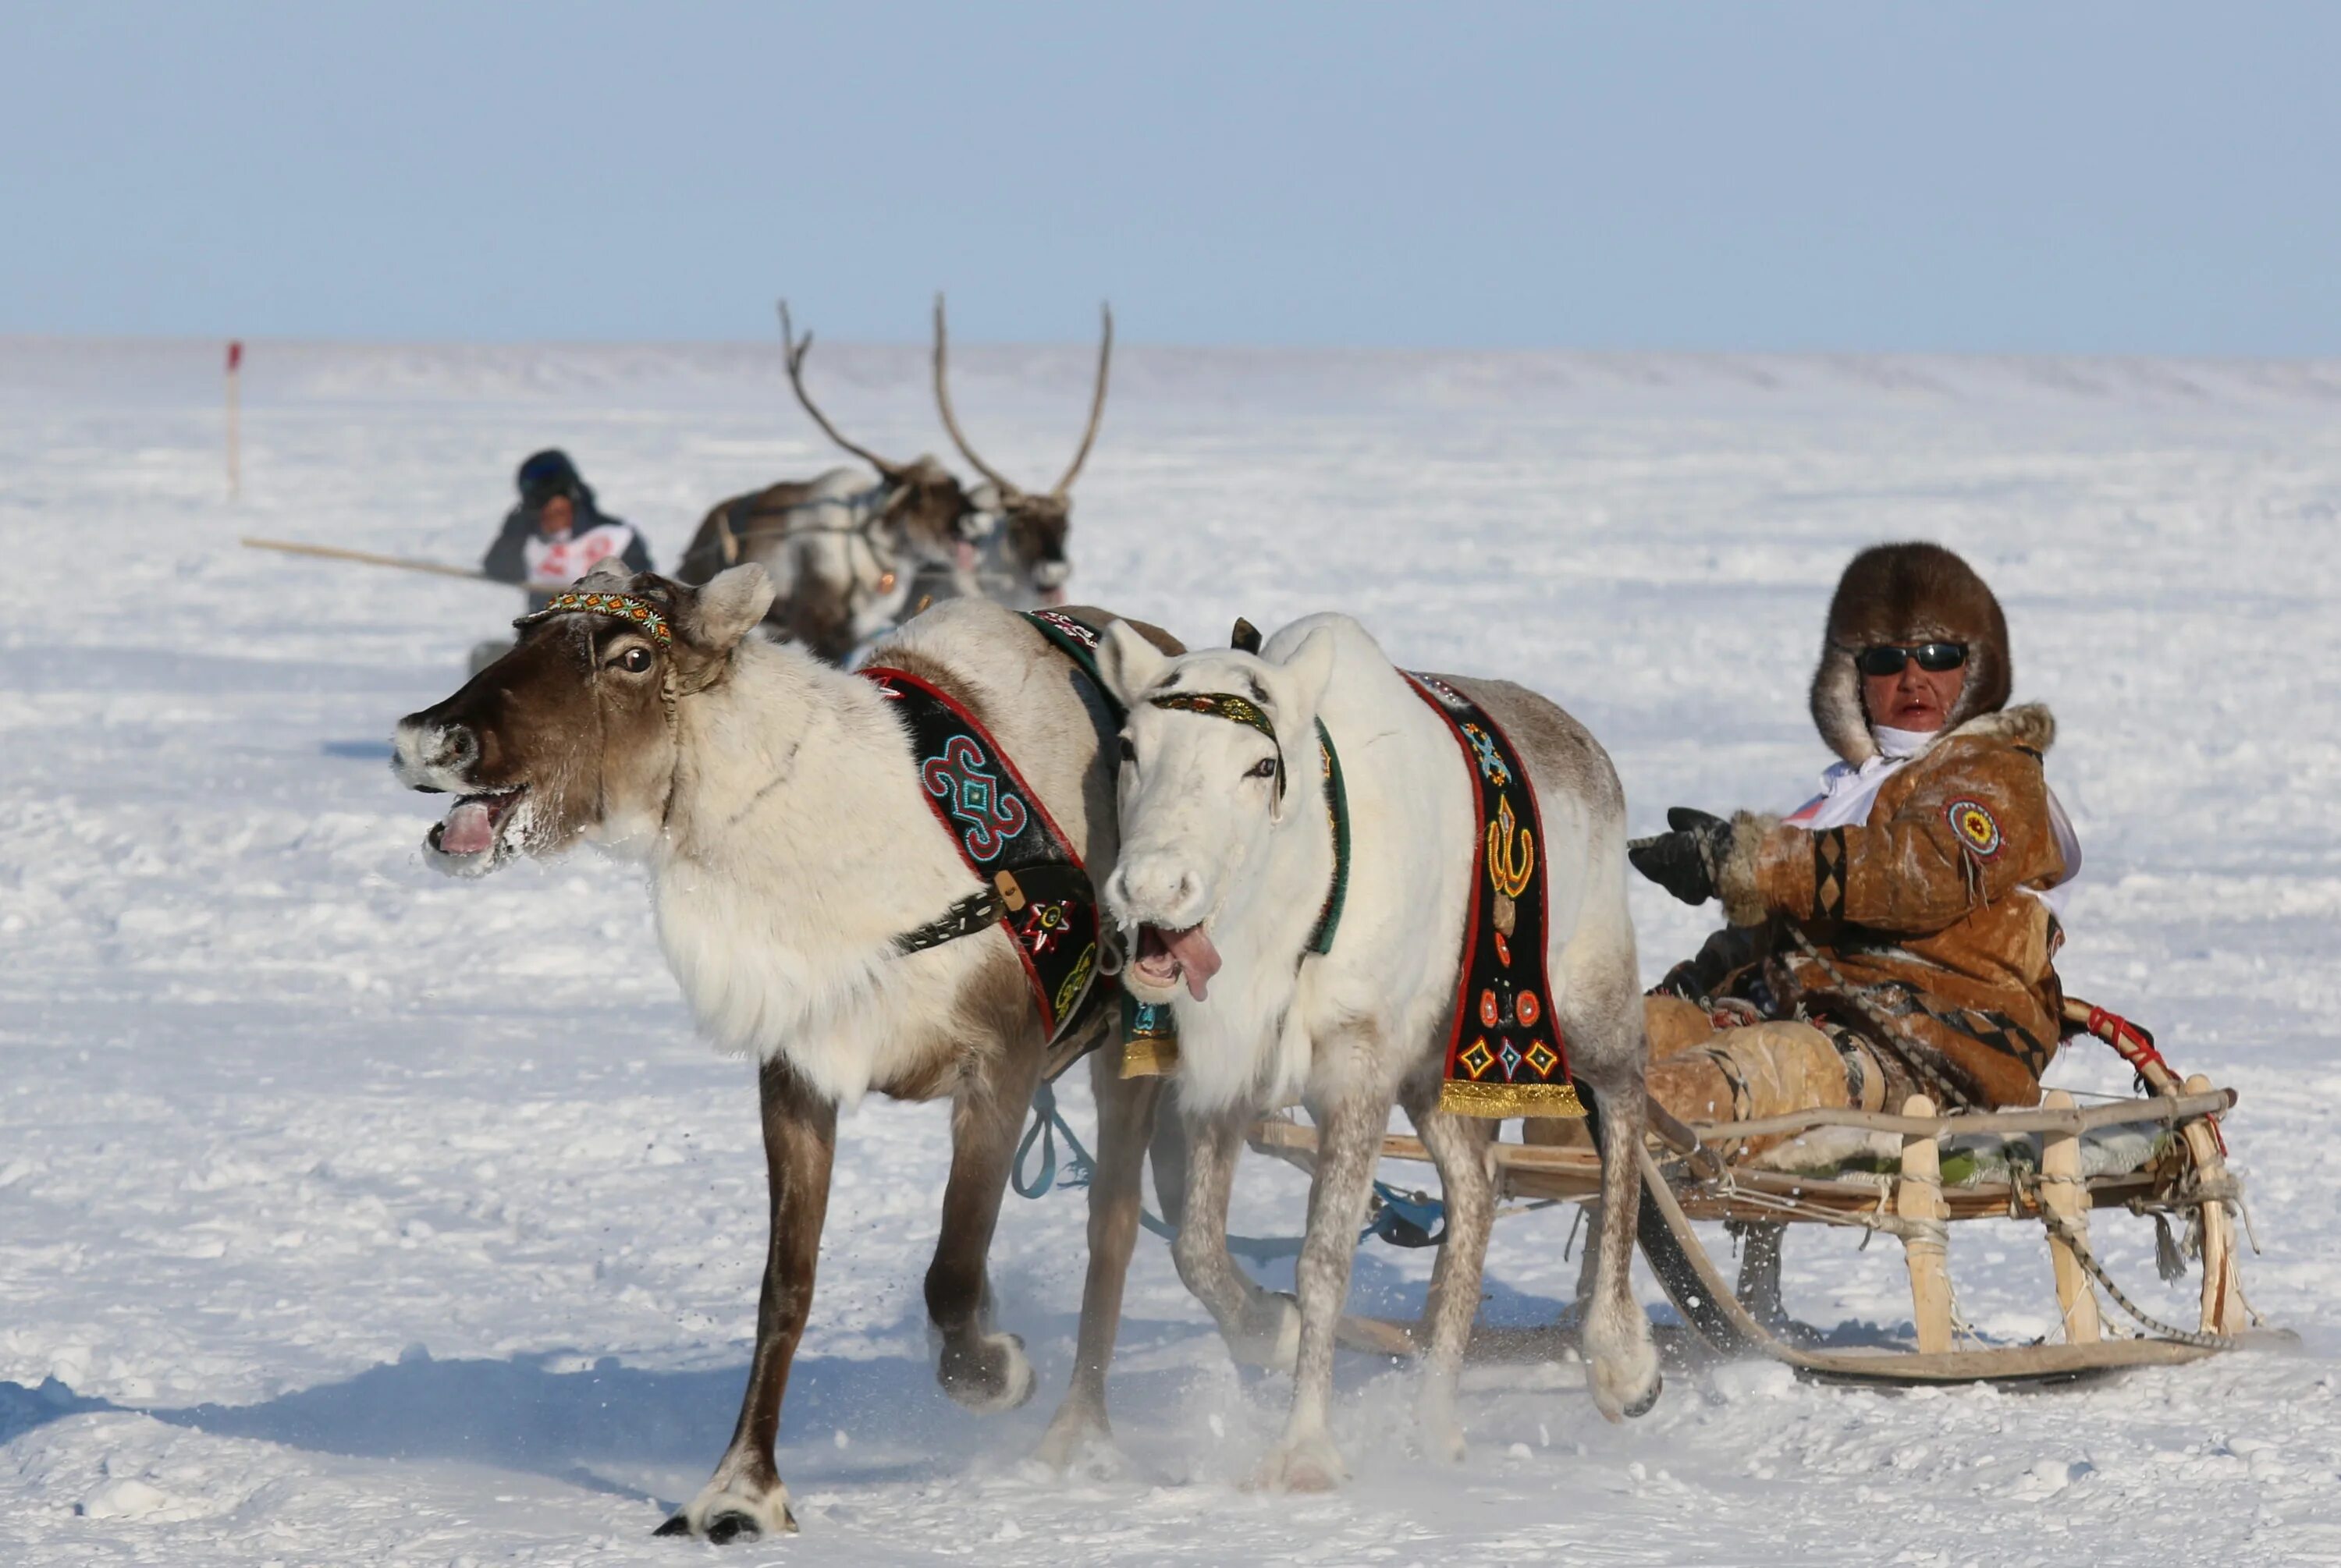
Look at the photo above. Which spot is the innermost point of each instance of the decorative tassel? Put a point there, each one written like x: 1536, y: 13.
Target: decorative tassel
x: 2167, y: 1261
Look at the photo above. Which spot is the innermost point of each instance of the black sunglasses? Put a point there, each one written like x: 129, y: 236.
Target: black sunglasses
x: 1933, y: 657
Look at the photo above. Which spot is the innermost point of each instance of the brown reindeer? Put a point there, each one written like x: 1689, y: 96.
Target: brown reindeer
x: 781, y: 813
x: 848, y: 557
x: 1028, y: 547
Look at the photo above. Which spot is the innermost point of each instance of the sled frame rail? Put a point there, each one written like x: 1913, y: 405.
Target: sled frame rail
x: 1697, y: 1187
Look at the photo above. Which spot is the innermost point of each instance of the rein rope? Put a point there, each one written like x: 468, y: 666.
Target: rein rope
x: 1401, y: 1218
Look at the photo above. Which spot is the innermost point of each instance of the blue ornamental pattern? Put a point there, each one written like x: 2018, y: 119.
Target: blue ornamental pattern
x: 962, y: 781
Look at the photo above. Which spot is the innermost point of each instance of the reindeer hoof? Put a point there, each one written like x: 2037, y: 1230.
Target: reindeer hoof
x: 728, y: 1527
x: 731, y: 1511
x: 1078, y: 1437
x: 1303, y: 1464
x: 990, y: 1375
x: 1269, y: 1334
x: 1643, y: 1405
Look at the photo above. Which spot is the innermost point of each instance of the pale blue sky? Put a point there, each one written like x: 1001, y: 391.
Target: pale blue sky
x: 2127, y: 178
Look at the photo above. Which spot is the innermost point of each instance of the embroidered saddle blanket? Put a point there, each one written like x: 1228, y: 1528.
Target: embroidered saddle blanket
x: 1036, y: 886
x: 1505, y: 1055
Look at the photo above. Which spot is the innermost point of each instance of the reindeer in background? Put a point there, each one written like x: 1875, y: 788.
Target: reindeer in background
x: 842, y: 550
x: 850, y: 559
x: 1022, y: 563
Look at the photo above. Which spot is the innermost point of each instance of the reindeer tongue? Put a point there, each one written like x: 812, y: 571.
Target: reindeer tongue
x: 1197, y: 959
x: 470, y: 830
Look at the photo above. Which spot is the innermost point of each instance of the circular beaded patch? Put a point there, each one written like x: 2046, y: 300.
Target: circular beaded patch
x: 1977, y: 830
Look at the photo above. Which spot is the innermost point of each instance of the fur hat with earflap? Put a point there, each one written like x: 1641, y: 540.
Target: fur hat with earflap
x: 1905, y: 594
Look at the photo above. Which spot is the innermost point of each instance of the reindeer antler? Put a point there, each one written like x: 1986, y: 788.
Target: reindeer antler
x: 1097, y: 406
x: 797, y: 350
x: 1008, y: 490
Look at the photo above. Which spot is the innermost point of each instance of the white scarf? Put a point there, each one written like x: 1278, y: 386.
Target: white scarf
x: 1848, y: 792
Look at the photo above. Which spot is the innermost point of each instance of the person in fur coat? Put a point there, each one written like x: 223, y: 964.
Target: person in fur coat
x: 1898, y: 932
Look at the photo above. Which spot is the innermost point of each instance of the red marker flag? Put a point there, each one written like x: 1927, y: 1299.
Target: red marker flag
x: 235, y: 355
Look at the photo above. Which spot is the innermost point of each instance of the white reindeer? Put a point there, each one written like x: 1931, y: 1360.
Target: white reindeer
x: 1222, y: 875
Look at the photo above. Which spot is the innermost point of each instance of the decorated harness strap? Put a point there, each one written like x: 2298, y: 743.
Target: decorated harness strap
x: 1035, y: 884
x: 1505, y: 1057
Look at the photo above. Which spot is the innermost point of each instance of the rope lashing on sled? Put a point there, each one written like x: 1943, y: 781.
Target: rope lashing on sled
x: 2078, y: 1240
x: 2136, y: 1045
x: 1401, y: 1218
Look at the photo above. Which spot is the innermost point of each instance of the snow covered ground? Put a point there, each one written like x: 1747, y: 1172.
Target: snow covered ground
x: 353, y: 1215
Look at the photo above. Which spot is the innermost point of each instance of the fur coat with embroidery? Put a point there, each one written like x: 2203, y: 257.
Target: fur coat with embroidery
x: 1925, y: 912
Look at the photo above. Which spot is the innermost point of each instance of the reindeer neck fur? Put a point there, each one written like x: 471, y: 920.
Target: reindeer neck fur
x: 1241, y: 1044
x: 1391, y: 973
x: 796, y: 843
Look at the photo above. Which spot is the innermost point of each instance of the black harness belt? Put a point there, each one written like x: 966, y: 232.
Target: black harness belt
x: 1036, y: 887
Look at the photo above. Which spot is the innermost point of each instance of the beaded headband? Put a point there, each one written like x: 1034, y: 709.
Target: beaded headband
x: 639, y: 613
x: 1227, y: 705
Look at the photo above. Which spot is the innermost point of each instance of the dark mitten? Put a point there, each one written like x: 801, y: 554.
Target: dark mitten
x: 1684, y: 861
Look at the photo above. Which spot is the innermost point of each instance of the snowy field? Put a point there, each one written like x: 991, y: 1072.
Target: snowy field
x: 349, y: 1214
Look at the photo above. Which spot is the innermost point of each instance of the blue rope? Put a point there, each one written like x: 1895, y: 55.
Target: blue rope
x: 1047, y: 1123
x: 1400, y: 1218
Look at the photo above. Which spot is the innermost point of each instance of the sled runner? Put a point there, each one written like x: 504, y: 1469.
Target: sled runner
x: 2160, y: 1155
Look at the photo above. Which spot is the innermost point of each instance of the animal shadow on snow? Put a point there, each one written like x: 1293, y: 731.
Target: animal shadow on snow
x: 580, y: 1426
x: 601, y: 1425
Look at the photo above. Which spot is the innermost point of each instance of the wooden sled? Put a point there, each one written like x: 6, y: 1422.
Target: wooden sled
x: 1686, y: 1178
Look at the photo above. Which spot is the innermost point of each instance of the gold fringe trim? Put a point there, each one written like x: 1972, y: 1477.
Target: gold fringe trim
x: 1499, y: 1100
x: 1148, y: 1058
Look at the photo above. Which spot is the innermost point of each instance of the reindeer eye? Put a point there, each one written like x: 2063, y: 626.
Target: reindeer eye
x: 635, y: 659
x: 1263, y: 768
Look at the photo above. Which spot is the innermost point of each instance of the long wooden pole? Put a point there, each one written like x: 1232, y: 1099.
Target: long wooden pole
x: 2170, y: 1110
x: 234, y: 419
x: 366, y: 557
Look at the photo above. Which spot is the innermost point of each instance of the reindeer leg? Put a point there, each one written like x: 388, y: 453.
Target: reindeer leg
x: 1349, y: 1143
x: 1168, y: 1155
x: 1458, y: 1147
x: 981, y: 1369
x: 1126, y: 1116
x: 1621, y: 1364
x: 1598, y: 1002
x: 1262, y: 1328
x: 746, y: 1498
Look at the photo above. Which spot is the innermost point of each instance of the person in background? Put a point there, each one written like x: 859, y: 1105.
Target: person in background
x: 557, y: 534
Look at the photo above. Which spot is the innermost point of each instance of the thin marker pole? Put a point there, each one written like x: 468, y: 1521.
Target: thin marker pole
x: 234, y: 419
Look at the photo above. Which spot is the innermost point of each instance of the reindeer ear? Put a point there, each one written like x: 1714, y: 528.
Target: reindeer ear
x: 1245, y: 638
x: 728, y: 606
x: 1309, y: 669
x: 610, y: 574
x: 1129, y: 664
